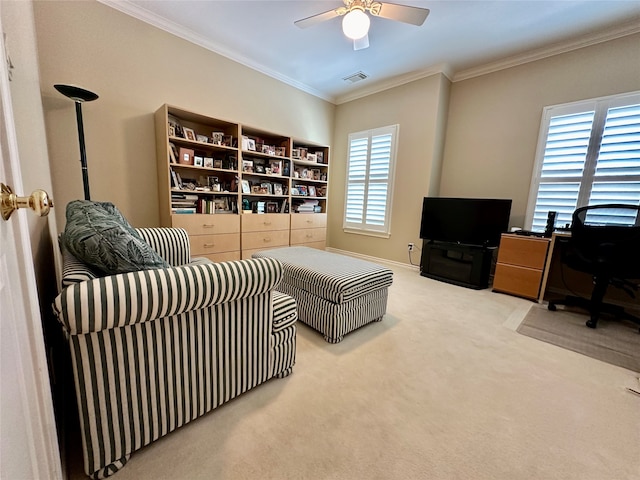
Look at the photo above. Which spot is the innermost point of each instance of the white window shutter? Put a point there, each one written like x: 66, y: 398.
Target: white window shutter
x: 370, y: 180
x: 590, y: 155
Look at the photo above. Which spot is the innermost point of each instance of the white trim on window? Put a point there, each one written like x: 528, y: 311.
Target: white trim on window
x: 369, y: 181
x: 588, y: 153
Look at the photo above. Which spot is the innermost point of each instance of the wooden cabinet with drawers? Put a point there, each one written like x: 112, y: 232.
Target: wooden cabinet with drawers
x: 520, y: 266
x: 216, y: 237
x: 309, y: 229
x: 264, y: 231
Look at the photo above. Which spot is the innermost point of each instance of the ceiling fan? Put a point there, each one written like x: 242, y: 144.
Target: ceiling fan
x: 355, y: 23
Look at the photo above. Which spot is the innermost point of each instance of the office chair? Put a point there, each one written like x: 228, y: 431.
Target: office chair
x: 607, y: 250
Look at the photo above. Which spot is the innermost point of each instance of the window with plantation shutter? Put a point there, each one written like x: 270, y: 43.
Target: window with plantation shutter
x: 370, y: 170
x: 588, y: 154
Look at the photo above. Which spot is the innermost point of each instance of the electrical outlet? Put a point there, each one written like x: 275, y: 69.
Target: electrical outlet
x: 410, y: 247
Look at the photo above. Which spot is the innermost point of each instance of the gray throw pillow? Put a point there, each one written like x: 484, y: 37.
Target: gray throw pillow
x: 97, y: 234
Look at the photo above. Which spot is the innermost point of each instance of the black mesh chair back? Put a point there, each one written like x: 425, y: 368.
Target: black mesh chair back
x: 605, y: 242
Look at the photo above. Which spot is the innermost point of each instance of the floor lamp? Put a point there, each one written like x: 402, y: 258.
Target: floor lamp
x: 79, y: 96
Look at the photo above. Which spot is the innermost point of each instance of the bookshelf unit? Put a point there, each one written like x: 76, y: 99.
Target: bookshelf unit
x: 237, y: 189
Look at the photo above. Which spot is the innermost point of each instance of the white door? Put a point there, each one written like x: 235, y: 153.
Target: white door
x: 28, y: 440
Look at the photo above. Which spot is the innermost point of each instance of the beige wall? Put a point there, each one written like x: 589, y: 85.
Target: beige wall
x: 135, y: 68
x: 420, y: 109
x: 494, y: 119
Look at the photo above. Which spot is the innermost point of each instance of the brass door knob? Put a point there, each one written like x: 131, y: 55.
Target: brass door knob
x: 38, y: 201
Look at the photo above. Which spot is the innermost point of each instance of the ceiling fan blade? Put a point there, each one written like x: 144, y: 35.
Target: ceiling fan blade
x: 320, y: 17
x: 361, y: 43
x: 403, y: 13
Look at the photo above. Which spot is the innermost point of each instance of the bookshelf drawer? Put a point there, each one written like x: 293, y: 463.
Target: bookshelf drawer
x: 198, y: 224
x: 270, y: 239
x: 264, y: 221
x: 308, y: 220
x: 308, y: 235
x: 207, y: 244
x: 223, y: 257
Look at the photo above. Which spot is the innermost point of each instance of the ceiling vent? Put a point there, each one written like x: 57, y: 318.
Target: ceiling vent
x: 356, y: 77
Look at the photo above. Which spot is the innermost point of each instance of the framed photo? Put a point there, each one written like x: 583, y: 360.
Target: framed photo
x: 185, y: 156
x: 247, y: 166
x: 312, y: 191
x: 217, y: 163
x: 172, y: 131
x: 227, y: 140
x: 202, y: 138
x: 277, y: 189
x: 320, y: 157
x: 303, y: 153
x: 198, y: 161
x: 295, y: 153
x: 312, y: 157
x: 281, y: 151
x: 303, y: 190
x: 276, y: 167
x: 268, y: 187
x: 208, y: 162
x: 248, y: 144
x: 189, y: 134
x: 315, y: 174
x: 295, y: 191
x: 259, y: 168
x: 214, y: 183
x: 217, y: 138
x: 272, y: 207
x: 246, y: 188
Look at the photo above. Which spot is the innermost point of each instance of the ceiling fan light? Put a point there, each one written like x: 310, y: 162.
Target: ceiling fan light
x: 355, y: 24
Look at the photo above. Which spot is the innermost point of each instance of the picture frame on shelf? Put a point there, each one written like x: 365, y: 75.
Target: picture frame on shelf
x: 312, y: 157
x: 173, y: 153
x: 186, y: 156
x: 295, y: 153
x: 323, y: 176
x: 277, y: 189
x: 303, y: 190
x: 172, y: 131
x: 246, y: 187
x: 320, y: 156
x: 214, y: 183
x: 303, y: 153
x: 259, y: 168
x: 198, y: 161
x: 295, y: 191
x: 247, y: 166
x: 227, y: 140
x: 248, y: 144
x: 202, y: 138
x: 272, y: 207
x: 315, y: 174
x: 281, y: 151
x: 276, y: 167
x: 208, y: 162
x: 268, y: 186
x: 259, y: 190
x: 189, y: 134
x: 312, y: 191
x: 217, y: 138
x: 217, y: 163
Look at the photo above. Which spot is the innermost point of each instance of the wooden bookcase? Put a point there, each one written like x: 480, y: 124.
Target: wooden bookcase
x: 215, y: 176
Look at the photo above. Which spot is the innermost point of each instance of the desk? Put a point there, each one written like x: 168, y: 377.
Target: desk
x: 524, y: 261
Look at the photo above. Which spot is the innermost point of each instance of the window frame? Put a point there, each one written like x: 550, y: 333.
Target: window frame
x: 600, y: 106
x: 363, y: 228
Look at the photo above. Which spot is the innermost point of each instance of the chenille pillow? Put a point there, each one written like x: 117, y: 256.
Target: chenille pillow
x: 97, y: 234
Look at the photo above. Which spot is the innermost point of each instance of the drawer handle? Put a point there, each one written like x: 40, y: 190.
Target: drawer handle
x: 208, y: 225
x: 309, y: 235
x: 209, y: 245
x: 266, y: 239
x: 266, y: 223
x: 309, y: 221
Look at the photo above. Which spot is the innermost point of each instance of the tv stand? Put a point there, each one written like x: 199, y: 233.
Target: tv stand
x: 465, y: 265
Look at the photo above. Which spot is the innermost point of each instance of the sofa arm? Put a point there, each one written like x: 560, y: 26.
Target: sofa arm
x: 172, y: 244
x: 136, y: 297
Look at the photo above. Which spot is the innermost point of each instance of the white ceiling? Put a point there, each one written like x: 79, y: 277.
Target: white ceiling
x: 459, y: 38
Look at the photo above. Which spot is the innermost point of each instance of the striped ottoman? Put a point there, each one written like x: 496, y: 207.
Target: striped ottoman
x: 336, y: 294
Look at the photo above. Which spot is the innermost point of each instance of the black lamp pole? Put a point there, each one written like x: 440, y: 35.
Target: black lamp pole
x: 79, y: 96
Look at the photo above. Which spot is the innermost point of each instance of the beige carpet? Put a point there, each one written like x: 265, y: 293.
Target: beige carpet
x: 613, y: 342
x: 443, y: 388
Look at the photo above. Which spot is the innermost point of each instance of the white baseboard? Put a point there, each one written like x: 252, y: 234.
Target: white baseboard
x: 372, y: 259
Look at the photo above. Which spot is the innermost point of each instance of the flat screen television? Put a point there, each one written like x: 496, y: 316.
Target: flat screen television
x: 465, y: 221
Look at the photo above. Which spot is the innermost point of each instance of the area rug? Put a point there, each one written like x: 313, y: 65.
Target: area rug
x: 614, y: 342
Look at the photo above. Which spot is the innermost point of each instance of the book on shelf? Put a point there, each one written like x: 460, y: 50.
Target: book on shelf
x: 185, y: 210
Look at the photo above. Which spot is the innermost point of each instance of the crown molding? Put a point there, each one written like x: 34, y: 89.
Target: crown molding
x: 377, y: 87
x: 587, y: 40
x: 190, y: 36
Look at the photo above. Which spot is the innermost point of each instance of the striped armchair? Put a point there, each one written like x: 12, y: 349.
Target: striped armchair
x: 152, y: 350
